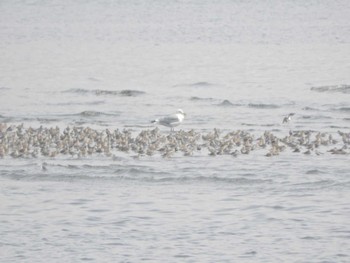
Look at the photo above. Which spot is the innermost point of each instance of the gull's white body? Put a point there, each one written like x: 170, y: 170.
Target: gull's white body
x: 171, y: 120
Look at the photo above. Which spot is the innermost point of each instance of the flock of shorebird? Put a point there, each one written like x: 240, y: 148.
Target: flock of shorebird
x: 20, y: 142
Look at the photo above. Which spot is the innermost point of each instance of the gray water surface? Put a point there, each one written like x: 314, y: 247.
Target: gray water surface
x: 230, y: 65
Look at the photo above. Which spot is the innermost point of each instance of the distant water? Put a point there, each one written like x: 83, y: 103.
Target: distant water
x: 231, y: 65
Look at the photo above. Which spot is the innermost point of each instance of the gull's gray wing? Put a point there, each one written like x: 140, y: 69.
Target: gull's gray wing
x: 169, y: 119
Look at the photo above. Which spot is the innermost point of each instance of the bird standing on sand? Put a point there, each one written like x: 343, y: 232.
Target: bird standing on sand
x: 171, y: 120
x: 288, y: 118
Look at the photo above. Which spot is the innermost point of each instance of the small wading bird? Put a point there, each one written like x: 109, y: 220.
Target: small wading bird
x: 288, y: 118
x: 171, y: 120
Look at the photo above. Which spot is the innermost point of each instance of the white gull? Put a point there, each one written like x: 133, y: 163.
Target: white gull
x: 171, y: 120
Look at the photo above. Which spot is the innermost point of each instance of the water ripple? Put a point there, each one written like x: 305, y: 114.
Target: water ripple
x: 99, y: 92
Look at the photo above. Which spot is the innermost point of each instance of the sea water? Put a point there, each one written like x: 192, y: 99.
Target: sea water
x: 230, y: 65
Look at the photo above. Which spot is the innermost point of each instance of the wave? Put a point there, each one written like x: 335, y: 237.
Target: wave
x: 343, y: 109
x: 98, y: 92
x: 214, y: 179
x: 94, y: 114
x: 200, y: 84
x: 249, y: 124
x: 46, y: 120
x: 337, y: 127
x: 317, y: 117
x: 73, y: 171
x: 310, y: 109
x: 320, y: 184
x: 58, y: 118
x: 98, y: 102
x: 333, y: 89
x: 4, y: 88
x: 88, y: 114
x: 227, y: 103
x: 28, y: 119
x: 131, y: 93
x: 263, y: 106
x: 201, y: 99
x: 126, y: 174
x: 314, y: 171
x: 78, y: 91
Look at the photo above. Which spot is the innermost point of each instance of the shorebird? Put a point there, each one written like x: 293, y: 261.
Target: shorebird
x: 288, y: 118
x: 171, y: 120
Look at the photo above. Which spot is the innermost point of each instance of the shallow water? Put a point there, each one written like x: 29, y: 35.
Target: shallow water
x: 229, y: 65
x: 187, y: 209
